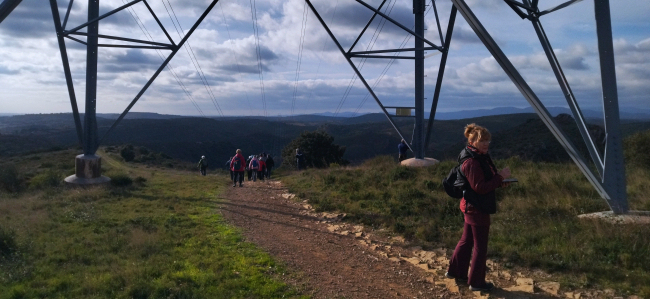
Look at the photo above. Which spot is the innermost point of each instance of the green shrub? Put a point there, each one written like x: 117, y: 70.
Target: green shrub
x: 46, y: 165
x: 121, y: 180
x: 140, y: 180
x: 143, y: 150
x: 7, y: 242
x: 318, y: 150
x: 46, y: 179
x: 10, y: 180
x: 402, y: 173
x: 127, y: 153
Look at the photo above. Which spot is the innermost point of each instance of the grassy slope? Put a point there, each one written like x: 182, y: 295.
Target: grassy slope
x: 161, y: 238
x: 536, y: 225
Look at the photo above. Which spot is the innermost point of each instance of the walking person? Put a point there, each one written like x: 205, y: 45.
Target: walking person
x: 262, y: 169
x: 254, y: 166
x: 248, y: 171
x: 300, y: 159
x: 402, y: 148
x: 228, y: 165
x: 237, y: 165
x: 269, y: 166
x: 203, y: 165
x: 478, y: 202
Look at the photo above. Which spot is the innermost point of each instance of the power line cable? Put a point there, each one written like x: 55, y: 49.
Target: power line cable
x: 236, y: 57
x: 258, y: 52
x: 148, y: 35
x: 362, y: 63
x: 144, y: 29
x: 196, y: 63
x: 320, y: 58
x: 387, y: 67
x: 300, y: 47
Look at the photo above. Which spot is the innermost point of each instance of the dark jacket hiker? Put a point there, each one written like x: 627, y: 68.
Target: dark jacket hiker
x: 479, y: 178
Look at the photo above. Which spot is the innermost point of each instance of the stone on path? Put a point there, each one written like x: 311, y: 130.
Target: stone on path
x: 549, y: 287
x: 523, y: 285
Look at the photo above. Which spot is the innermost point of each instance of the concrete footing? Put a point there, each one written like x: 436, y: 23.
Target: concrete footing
x: 88, y: 171
x: 636, y: 217
x: 413, y: 162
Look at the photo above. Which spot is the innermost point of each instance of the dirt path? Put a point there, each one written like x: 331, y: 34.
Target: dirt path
x: 333, y: 259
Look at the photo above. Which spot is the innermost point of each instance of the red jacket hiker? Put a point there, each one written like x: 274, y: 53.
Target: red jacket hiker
x: 242, y: 163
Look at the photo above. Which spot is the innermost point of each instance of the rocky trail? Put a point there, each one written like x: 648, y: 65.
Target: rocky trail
x: 329, y: 258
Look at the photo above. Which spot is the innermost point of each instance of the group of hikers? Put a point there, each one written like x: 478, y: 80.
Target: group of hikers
x: 255, y: 166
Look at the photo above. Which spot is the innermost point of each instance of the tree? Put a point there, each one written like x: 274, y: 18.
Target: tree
x: 318, y: 149
x: 127, y: 153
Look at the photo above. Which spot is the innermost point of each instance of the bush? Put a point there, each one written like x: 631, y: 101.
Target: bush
x: 46, y: 179
x: 402, y: 173
x: 10, y: 180
x: 318, y: 149
x: 121, y: 180
x: 140, y: 180
x: 127, y: 153
x: 7, y: 242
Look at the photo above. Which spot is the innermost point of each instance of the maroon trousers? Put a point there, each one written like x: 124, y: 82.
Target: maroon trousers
x: 475, y: 238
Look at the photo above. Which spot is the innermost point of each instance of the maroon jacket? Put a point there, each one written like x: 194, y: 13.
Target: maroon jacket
x: 242, y: 163
x: 473, y: 171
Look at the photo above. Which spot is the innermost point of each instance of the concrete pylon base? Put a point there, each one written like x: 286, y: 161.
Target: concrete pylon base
x: 88, y: 171
x: 413, y: 162
x: 632, y: 217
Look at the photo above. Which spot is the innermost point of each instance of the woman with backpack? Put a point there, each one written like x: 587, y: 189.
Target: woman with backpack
x: 262, y: 168
x: 254, y: 166
x: 237, y: 166
x: 248, y: 171
x: 478, y: 202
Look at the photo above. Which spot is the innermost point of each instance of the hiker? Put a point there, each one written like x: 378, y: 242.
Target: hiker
x: 477, y: 204
x: 262, y: 169
x: 402, y: 147
x: 203, y: 165
x: 237, y: 166
x: 300, y: 159
x: 248, y: 170
x: 229, y: 168
x: 253, y: 167
x: 269, y: 166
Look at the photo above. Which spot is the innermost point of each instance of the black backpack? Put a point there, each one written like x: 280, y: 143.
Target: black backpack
x: 236, y: 163
x: 455, y: 182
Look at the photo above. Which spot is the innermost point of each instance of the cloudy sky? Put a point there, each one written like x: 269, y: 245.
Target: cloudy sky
x: 302, y: 71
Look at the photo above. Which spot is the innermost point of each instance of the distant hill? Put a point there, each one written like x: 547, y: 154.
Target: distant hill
x: 139, y: 115
x: 365, y: 136
x: 636, y: 114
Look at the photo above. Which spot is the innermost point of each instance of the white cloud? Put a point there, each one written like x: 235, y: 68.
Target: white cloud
x: 226, y: 49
